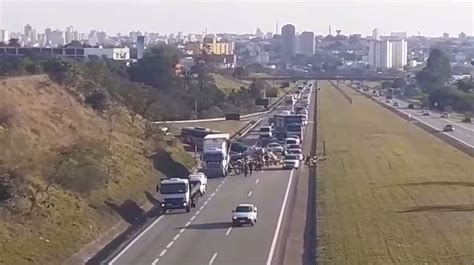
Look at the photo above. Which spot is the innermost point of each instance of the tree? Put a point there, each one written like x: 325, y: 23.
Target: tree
x: 14, y: 42
x: 399, y: 83
x: 157, y: 67
x: 465, y: 86
x: 437, y: 70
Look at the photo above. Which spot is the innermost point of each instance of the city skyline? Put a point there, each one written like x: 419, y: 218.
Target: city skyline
x: 160, y: 18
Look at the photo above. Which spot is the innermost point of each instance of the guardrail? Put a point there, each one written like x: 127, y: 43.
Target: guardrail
x: 272, y: 107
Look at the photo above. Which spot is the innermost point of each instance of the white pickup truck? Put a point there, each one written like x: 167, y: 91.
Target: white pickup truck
x: 199, y: 178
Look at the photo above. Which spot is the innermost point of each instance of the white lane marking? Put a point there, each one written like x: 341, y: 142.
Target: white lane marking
x: 202, y: 207
x: 192, y: 218
x: 213, y: 258
x: 228, y: 231
x: 155, y: 261
x: 187, y: 224
x: 176, y: 237
x: 257, y: 181
x: 181, y: 231
x: 205, y: 203
x: 250, y: 193
x: 170, y: 244
x: 135, y: 240
x: 217, y: 189
x: 280, y: 218
x: 213, y: 194
x: 163, y: 253
x: 198, y: 212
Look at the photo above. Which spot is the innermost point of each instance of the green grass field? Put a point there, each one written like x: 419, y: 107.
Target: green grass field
x: 228, y: 84
x: 389, y: 192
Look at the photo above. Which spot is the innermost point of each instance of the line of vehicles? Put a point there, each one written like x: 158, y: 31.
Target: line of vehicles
x: 283, y: 135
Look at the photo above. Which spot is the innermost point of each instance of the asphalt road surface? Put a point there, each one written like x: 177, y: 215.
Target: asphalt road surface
x: 206, y: 236
x: 463, y: 133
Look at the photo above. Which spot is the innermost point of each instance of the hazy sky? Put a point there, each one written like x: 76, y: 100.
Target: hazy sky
x: 431, y: 18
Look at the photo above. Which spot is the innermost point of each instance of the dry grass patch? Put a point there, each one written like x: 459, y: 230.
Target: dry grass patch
x: 389, y: 193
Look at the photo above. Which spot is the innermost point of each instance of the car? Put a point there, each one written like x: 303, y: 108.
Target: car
x: 244, y: 213
x: 296, y: 151
x: 201, y: 177
x: 411, y: 106
x: 265, y: 132
x: 291, y: 161
x: 275, y: 147
x: 292, y: 139
x: 293, y: 146
x: 303, y: 111
x: 426, y: 113
x: 466, y: 120
x: 445, y: 115
x: 448, y: 128
x: 395, y: 104
x: 388, y: 101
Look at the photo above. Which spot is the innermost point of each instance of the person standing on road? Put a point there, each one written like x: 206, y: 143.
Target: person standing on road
x: 251, y: 167
x: 246, y: 169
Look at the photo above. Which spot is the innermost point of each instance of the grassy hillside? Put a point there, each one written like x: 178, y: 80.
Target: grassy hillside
x: 67, y: 171
x: 228, y: 84
x: 389, y: 192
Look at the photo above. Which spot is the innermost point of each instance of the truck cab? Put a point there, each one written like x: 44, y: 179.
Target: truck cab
x: 216, y: 154
x: 177, y: 193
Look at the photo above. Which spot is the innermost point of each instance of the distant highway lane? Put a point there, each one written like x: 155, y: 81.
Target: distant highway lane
x: 463, y: 133
x: 206, y: 236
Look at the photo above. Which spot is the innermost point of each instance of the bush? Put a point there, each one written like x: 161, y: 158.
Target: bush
x: 81, y: 169
x: 97, y: 100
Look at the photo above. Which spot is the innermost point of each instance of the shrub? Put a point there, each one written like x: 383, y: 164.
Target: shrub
x: 7, y: 113
x: 81, y: 168
x: 97, y: 100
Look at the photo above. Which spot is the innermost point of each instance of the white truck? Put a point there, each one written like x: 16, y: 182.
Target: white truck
x: 178, y: 193
x: 216, y: 154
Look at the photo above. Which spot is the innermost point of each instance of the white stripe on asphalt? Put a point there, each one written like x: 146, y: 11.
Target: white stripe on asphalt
x: 170, y: 244
x: 257, y: 181
x: 250, y: 193
x: 155, y: 261
x: 280, y: 218
x: 176, y: 237
x: 228, y: 231
x: 135, y: 240
x: 213, y: 258
x: 163, y: 253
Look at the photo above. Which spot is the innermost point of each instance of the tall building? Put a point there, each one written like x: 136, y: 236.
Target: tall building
x: 380, y: 54
x: 306, y: 43
x: 56, y: 38
x: 375, y: 34
x: 140, y: 46
x: 28, y: 33
x: 445, y: 35
x: 259, y: 33
x: 462, y: 36
x: 70, y: 34
x: 288, y: 38
x: 4, y: 36
x: 399, y: 54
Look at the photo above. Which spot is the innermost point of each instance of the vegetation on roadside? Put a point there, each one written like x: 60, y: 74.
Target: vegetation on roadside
x: 433, y: 80
x: 388, y: 192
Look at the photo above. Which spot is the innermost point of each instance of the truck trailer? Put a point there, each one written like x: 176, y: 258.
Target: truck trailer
x: 216, y: 155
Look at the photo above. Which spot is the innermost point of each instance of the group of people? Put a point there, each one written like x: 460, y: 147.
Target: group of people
x: 310, y: 160
x: 246, y: 166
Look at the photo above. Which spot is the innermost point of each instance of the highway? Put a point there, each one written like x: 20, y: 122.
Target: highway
x: 206, y: 236
x: 463, y: 133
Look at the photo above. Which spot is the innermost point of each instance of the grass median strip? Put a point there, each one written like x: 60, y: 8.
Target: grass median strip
x: 389, y: 192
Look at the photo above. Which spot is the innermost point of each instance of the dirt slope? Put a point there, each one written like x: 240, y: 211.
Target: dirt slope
x: 40, y: 120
